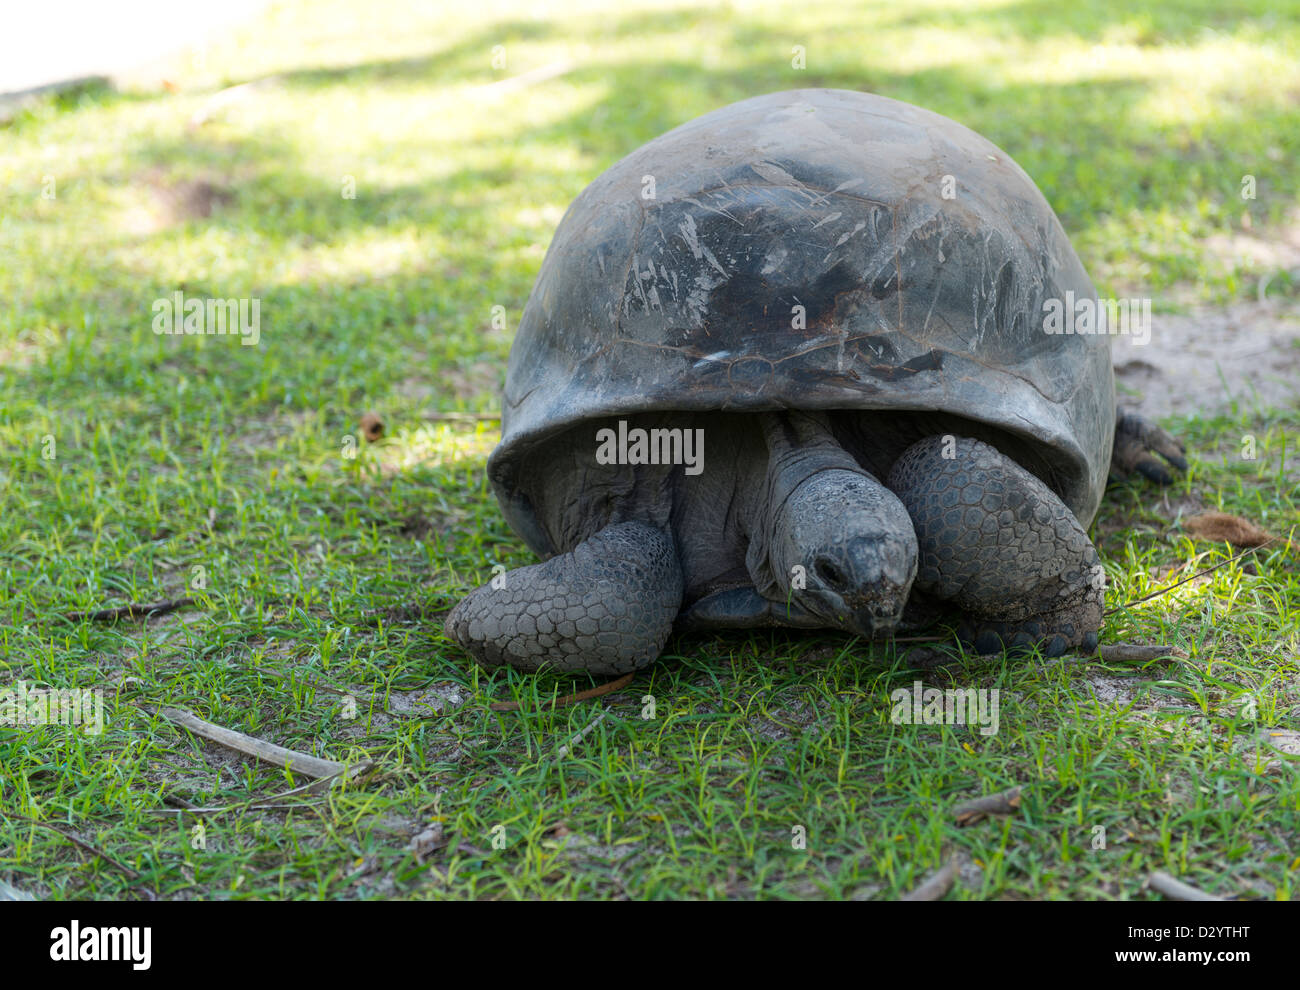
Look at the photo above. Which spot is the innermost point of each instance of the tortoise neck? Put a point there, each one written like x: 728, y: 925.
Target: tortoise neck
x: 800, y: 444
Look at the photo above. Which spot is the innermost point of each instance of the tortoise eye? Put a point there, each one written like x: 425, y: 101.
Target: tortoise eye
x: 829, y: 573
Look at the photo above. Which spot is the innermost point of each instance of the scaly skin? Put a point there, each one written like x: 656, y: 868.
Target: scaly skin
x: 997, y: 543
x: 606, y: 607
x: 1137, y: 441
x: 978, y: 531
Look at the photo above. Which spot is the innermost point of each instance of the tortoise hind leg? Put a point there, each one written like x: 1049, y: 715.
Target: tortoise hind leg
x: 605, y: 607
x: 998, y: 543
x: 1137, y: 441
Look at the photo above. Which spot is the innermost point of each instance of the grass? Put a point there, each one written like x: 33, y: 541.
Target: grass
x: 136, y: 467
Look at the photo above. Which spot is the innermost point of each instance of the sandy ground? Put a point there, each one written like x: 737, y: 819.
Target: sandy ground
x: 1204, y: 361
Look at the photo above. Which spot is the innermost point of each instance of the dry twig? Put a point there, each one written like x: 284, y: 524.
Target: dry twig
x: 937, y: 884
x: 570, y: 699
x: 1200, y: 573
x: 1004, y: 803
x: 93, y: 851
x: 132, y: 611
x: 1163, y: 883
x: 303, y: 763
x: 1135, y: 653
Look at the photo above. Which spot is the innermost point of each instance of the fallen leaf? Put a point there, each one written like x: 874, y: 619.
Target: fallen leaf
x: 372, y: 427
x: 1220, y: 527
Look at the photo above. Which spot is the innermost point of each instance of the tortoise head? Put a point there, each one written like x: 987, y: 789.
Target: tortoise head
x: 855, y: 543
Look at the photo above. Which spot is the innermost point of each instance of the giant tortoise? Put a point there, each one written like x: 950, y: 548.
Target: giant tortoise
x: 791, y: 364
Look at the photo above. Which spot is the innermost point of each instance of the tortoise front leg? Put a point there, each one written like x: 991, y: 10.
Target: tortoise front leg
x: 744, y: 608
x: 605, y: 607
x: 998, y: 543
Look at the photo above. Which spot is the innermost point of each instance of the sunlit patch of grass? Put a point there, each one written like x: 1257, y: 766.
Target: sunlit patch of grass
x: 434, y: 446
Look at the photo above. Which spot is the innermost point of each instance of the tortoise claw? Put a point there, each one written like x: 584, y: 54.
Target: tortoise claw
x: 1137, y: 441
x: 1051, y: 636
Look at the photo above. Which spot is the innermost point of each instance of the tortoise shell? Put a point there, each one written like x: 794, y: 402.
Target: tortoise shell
x: 818, y: 249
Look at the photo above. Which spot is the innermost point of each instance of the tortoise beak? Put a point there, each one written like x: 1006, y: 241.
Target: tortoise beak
x: 871, y: 578
x: 878, y: 619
